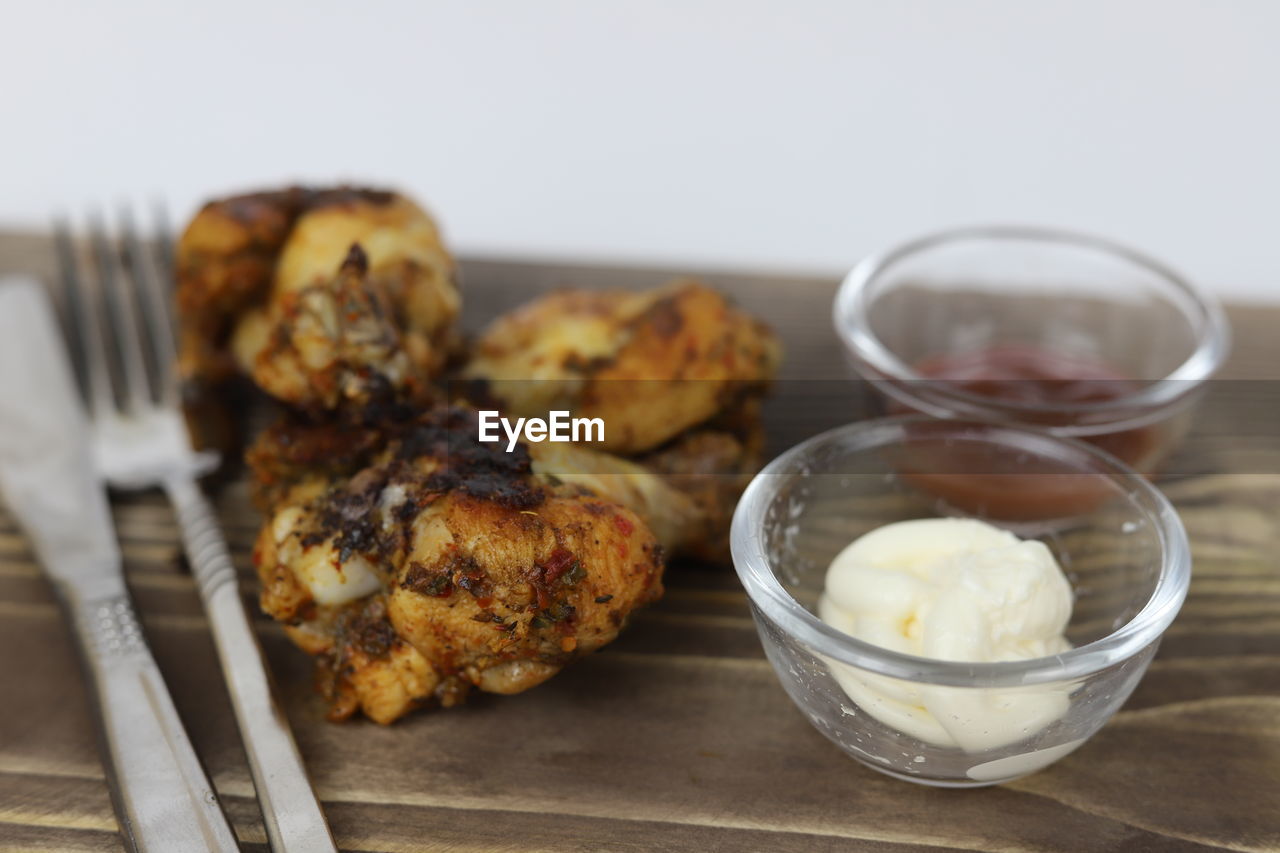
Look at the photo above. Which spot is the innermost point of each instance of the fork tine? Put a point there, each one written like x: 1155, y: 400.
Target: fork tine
x: 121, y: 316
x: 84, y: 306
x: 152, y: 295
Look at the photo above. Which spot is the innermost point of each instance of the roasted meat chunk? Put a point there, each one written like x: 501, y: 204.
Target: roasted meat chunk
x: 326, y: 298
x: 437, y: 564
x: 415, y: 562
x: 650, y: 364
x: 675, y: 374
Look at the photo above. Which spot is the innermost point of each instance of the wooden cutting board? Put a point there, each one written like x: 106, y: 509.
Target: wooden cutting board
x: 678, y: 736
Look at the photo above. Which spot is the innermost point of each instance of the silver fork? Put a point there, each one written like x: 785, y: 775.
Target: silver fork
x: 141, y: 441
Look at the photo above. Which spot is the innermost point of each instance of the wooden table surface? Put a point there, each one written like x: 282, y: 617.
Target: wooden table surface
x: 678, y: 736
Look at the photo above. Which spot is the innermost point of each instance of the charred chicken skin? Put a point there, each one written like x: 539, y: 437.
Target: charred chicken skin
x: 438, y: 564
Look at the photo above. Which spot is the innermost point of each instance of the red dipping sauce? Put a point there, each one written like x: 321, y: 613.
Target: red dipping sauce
x: 1021, y: 373
x: 1053, y: 383
x: 1024, y: 374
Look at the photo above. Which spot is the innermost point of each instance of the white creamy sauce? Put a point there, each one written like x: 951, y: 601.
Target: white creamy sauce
x: 957, y: 590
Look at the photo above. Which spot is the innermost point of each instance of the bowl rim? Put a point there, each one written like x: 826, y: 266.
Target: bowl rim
x: 752, y: 563
x: 852, y: 303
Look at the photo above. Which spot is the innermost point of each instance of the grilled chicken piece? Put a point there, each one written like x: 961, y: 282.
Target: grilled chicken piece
x: 676, y: 375
x: 323, y: 296
x: 651, y: 364
x: 710, y: 466
x: 426, y: 563
x: 415, y: 562
x: 685, y: 492
x: 333, y: 345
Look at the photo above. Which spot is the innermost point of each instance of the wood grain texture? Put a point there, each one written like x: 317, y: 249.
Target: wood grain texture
x: 678, y: 736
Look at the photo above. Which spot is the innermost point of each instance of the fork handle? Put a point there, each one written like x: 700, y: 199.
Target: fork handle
x: 290, y: 810
x: 163, y: 798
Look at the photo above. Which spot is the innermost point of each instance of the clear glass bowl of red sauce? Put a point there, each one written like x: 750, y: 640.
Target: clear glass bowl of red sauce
x: 1069, y: 333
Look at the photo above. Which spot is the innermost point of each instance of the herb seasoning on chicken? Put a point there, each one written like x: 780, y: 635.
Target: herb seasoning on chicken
x: 444, y: 564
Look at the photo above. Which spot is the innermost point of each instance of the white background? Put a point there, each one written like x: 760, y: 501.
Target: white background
x: 747, y: 134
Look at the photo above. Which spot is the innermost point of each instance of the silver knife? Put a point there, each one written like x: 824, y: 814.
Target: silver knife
x: 163, y: 799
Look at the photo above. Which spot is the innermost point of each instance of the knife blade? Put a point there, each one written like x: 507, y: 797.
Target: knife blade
x: 163, y: 800
x: 46, y: 467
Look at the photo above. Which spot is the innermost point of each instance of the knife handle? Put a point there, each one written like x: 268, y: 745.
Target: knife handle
x: 290, y: 810
x: 164, y: 800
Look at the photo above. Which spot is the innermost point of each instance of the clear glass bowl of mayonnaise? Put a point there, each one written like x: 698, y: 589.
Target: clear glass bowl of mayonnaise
x: 956, y: 642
